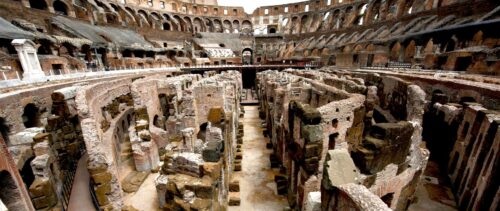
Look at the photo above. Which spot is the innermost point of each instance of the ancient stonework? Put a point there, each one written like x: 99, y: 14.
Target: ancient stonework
x: 191, y: 105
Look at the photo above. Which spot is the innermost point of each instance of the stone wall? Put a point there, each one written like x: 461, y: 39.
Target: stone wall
x: 198, y: 167
x: 323, y: 116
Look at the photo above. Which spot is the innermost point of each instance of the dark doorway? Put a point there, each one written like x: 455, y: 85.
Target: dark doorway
x: 369, y: 62
x: 272, y: 31
x: 31, y: 116
x: 355, y: 59
x: 248, y: 76
x: 60, y: 8
x: 463, y: 63
x: 166, y: 27
x: 38, y: 4
x: 57, y: 69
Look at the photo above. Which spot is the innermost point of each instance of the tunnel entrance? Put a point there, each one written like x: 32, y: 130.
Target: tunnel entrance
x: 248, y: 77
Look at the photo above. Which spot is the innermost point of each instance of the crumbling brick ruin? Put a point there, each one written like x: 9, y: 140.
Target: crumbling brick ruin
x: 191, y: 105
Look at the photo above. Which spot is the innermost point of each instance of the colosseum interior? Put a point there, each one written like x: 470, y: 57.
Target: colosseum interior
x: 191, y: 105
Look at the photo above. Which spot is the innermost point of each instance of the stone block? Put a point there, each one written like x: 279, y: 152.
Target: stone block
x: 312, y: 150
x: 44, y: 202
x: 40, y: 137
x: 201, y: 204
x: 202, y: 188
x: 212, y: 169
x: 41, y: 148
x: 41, y: 187
x: 339, y: 168
x: 215, y: 115
x: 133, y: 181
x: 312, y: 133
x: 212, y: 151
x: 234, y: 199
x: 188, y: 163
x: 102, y: 178
x: 386, y: 143
x: 102, y: 192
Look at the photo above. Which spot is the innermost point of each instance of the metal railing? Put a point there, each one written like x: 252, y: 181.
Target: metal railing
x: 69, y: 177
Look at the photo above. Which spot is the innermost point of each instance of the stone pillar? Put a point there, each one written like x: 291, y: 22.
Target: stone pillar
x: 28, y: 57
x: 189, y: 138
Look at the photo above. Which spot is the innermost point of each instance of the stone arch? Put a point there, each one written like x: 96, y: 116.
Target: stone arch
x: 236, y: 26
x: 410, y: 50
x: 246, y: 26
x: 406, y: 8
x: 373, y: 13
x: 144, y: 16
x: 304, y: 20
x: 10, y: 193
x: 395, y: 51
x: 325, y: 52
x: 336, y: 24
x: 227, y: 26
x: 218, y: 26
x: 166, y: 26
x: 295, y: 27
x: 189, y: 24
x: 31, y: 116
x: 182, y: 26
x: 125, y: 15
x: 247, y: 56
x: 155, y: 16
x: 198, y: 25
x: 38, y: 4
x: 360, y: 15
x: 325, y: 22
x: 60, y: 7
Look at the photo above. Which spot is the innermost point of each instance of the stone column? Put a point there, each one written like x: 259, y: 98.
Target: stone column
x: 28, y: 57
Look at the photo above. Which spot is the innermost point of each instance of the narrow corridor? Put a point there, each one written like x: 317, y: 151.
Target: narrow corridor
x: 257, y: 187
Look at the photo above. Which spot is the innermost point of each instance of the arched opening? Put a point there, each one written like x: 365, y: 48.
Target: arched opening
x: 166, y: 26
x: 4, y: 130
x: 38, y: 4
x: 247, y: 56
x: 158, y: 122
x: 272, y: 31
x: 10, y: 194
x: 60, y: 8
x: 31, y: 116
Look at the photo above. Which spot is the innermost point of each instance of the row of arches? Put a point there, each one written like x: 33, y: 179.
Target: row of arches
x: 347, y: 16
x: 60, y: 6
x: 124, y: 15
x: 173, y: 22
